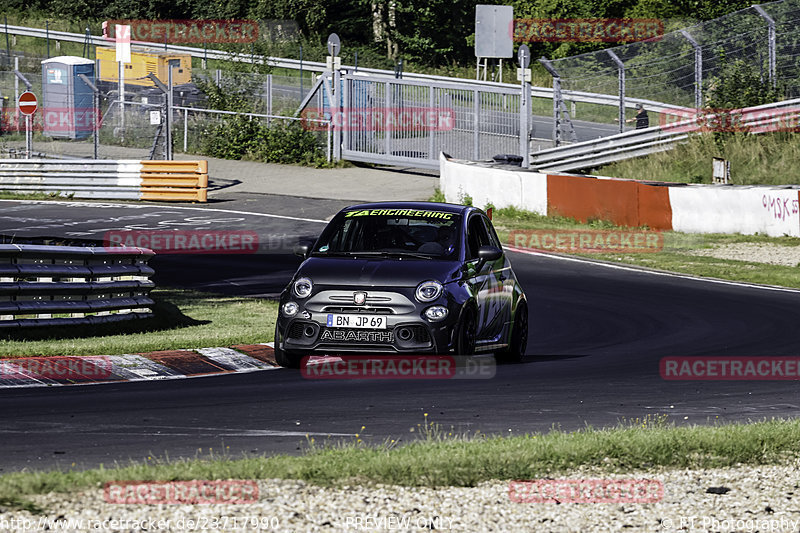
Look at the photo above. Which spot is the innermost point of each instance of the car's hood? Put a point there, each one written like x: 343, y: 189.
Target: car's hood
x: 377, y: 272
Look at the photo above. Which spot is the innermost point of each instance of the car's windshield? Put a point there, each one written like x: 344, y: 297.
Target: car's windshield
x: 421, y: 233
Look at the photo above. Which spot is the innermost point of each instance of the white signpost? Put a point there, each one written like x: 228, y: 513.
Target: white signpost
x: 122, y: 35
x: 27, y: 105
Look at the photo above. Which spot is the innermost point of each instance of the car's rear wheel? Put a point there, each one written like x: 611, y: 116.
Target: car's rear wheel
x: 286, y: 360
x: 465, y: 334
x: 519, y: 337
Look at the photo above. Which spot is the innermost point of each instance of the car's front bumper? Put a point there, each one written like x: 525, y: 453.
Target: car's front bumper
x: 403, y: 334
x: 407, y: 330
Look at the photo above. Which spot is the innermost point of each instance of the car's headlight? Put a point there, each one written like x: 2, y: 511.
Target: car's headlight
x: 290, y: 308
x: 436, y: 313
x: 302, y: 287
x: 428, y: 291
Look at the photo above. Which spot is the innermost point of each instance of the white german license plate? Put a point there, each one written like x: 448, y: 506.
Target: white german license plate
x: 356, y: 321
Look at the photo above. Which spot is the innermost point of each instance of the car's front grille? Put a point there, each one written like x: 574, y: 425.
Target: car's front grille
x: 355, y: 309
x: 295, y: 330
x: 421, y: 334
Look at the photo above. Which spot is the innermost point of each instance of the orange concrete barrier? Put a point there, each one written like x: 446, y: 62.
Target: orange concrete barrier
x: 623, y: 202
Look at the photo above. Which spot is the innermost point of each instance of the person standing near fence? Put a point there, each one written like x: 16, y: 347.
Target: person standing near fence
x: 641, y: 118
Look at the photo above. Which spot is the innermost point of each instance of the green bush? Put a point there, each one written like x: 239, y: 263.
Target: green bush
x: 286, y: 143
x: 237, y: 137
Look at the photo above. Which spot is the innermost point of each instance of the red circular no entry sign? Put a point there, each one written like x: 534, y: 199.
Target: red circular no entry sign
x: 27, y: 103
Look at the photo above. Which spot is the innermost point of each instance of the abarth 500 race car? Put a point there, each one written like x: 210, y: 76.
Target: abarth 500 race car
x: 403, y: 278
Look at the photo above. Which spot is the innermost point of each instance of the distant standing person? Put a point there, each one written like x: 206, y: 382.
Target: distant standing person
x: 641, y: 118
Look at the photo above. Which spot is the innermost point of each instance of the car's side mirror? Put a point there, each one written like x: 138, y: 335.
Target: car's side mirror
x: 487, y: 253
x: 302, y: 250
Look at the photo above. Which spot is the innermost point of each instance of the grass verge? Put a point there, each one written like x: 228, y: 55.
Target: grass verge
x: 442, y: 459
x: 182, y: 319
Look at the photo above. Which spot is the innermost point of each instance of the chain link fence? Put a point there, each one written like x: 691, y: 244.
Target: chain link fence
x: 139, y: 124
x: 680, y: 67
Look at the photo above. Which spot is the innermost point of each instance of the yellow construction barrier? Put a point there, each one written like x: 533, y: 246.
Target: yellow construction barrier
x: 175, y: 180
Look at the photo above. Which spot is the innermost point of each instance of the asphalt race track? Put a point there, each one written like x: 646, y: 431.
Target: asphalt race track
x: 597, y: 334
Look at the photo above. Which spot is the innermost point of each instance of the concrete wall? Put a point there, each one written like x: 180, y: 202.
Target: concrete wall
x: 688, y: 208
x: 730, y: 209
x: 501, y: 188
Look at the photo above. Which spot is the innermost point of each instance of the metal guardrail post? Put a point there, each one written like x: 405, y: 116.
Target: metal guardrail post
x: 96, y: 110
x: 524, y: 124
x: 346, y: 106
x: 269, y: 95
x: 172, y: 63
x: 337, y: 105
x: 28, y: 118
x: 621, y: 69
x: 476, y: 125
x: 387, y: 134
x: 556, y: 99
x: 431, y: 138
x: 698, y: 69
x: 121, y: 93
x: 165, y: 121
x: 770, y: 41
x: 16, y: 94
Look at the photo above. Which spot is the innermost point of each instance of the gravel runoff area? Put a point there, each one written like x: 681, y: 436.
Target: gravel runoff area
x: 742, y: 499
x: 770, y: 253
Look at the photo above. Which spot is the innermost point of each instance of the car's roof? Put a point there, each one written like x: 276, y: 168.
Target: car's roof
x: 419, y: 206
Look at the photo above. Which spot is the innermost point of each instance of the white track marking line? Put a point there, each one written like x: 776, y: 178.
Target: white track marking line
x: 88, y: 204
x: 654, y: 272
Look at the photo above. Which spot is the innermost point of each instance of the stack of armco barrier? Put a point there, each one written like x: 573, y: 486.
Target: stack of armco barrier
x: 125, y: 179
x: 65, y: 285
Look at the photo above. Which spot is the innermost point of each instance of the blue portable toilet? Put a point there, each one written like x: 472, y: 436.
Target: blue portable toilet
x: 67, y: 102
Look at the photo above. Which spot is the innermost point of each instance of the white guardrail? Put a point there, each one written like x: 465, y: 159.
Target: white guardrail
x: 315, y: 66
x: 778, y: 116
x: 125, y: 179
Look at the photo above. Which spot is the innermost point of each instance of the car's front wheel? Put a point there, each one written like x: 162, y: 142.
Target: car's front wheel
x: 465, y: 334
x: 286, y: 360
x: 519, y: 337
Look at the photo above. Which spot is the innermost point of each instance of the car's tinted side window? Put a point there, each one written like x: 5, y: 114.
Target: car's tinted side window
x: 493, y: 238
x: 476, y: 236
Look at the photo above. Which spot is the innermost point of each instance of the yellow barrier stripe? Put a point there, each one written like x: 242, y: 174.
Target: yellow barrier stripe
x: 197, y: 167
x: 174, y: 180
x: 171, y: 182
x: 193, y: 195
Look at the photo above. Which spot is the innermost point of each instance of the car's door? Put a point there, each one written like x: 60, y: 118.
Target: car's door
x: 505, y: 282
x: 484, y: 282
